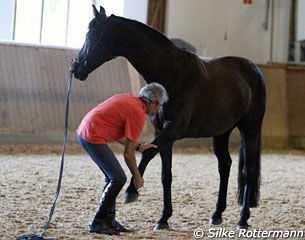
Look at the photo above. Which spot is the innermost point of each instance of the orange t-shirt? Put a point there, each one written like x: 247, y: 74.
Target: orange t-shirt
x: 122, y: 115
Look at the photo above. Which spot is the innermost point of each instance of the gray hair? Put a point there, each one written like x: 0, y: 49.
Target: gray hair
x: 153, y: 92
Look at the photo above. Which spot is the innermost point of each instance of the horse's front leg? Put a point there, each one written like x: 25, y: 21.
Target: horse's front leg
x: 164, y: 138
x: 131, y: 193
x: 166, y: 156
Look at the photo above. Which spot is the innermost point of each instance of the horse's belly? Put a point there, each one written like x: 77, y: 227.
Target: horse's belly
x: 209, y: 124
x: 210, y: 130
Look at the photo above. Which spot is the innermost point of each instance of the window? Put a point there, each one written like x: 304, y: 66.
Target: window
x: 28, y: 21
x: 296, y: 53
x: 52, y: 22
x: 78, y: 23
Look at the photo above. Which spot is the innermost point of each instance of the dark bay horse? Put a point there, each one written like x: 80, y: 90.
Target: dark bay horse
x: 206, y: 99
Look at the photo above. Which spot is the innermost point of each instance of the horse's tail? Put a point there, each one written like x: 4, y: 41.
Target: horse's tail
x: 255, y: 182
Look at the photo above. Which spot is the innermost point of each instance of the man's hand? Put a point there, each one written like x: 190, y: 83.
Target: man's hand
x: 145, y: 146
x: 138, y: 182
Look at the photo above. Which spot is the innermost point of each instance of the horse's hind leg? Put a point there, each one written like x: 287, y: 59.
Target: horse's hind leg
x: 221, y: 145
x: 249, y: 172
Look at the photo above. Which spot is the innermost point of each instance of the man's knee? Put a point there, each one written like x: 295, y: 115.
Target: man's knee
x: 121, y: 179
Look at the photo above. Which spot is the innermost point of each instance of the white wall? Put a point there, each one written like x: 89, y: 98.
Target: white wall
x: 136, y: 9
x: 230, y: 27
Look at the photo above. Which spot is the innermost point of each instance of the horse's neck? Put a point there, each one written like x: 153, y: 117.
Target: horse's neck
x: 145, y: 62
x: 146, y: 55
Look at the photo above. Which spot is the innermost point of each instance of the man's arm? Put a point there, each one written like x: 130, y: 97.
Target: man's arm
x: 130, y: 159
x: 137, y: 146
x: 122, y: 141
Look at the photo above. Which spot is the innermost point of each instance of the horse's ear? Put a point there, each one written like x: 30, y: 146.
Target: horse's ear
x: 102, y: 11
x: 95, y: 12
x: 99, y: 15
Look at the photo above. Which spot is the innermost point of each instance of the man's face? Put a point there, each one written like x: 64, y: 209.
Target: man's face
x: 153, y: 107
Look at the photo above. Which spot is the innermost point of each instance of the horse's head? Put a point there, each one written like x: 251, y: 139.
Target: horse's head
x: 96, y: 49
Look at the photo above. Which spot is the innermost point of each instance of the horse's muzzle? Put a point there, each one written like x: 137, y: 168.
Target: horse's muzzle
x: 79, y: 69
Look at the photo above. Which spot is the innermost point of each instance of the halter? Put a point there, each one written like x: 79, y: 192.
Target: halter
x: 72, y: 64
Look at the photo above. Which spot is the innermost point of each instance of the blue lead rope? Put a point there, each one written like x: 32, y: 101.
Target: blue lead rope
x: 62, y: 156
x: 40, y: 236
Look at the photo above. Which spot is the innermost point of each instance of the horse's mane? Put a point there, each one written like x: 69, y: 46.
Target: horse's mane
x: 147, y: 31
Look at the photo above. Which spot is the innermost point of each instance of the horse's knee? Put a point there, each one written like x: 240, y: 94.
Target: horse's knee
x: 224, y: 162
x: 149, y: 154
x: 224, y: 170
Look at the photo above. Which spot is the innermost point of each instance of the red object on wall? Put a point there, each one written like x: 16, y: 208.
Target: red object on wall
x: 247, y: 1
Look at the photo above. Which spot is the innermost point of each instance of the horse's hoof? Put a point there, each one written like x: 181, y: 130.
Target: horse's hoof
x: 244, y: 226
x: 130, y: 197
x: 215, y: 221
x: 161, y: 226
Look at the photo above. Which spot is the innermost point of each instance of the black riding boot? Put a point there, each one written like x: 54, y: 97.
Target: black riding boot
x: 112, y: 223
x: 98, y: 223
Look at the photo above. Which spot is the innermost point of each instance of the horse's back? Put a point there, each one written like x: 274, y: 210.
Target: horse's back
x: 237, y: 73
x: 231, y: 88
x: 236, y: 66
